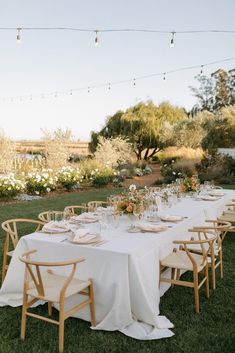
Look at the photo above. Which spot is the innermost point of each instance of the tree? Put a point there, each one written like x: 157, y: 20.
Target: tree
x: 221, y: 91
x: 189, y: 133
x: 214, y: 92
x: 220, y: 130
x: 141, y: 125
x: 204, y: 94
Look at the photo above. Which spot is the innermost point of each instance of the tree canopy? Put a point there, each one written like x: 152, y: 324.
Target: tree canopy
x: 142, y: 126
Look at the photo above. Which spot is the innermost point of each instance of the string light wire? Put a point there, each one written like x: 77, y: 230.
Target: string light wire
x: 115, y: 83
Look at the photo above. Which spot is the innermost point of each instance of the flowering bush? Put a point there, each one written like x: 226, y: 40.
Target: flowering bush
x: 113, y: 151
x: 10, y: 186
x: 39, y: 184
x: 69, y: 177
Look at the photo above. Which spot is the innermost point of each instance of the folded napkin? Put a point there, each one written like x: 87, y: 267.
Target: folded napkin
x: 85, y: 218
x: 152, y: 228
x: 55, y: 227
x: 171, y: 218
x: 83, y: 236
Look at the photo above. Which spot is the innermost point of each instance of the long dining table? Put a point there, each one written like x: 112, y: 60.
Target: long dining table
x: 125, y: 269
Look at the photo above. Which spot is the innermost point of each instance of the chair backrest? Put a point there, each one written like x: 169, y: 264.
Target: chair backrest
x: 75, y: 209
x: 206, y: 242
x: 11, y: 228
x: 33, y: 272
x: 217, y: 227
x: 92, y: 205
x: 48, y: 216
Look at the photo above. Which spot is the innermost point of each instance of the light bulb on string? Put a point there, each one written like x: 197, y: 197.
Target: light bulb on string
x: 88, y: 89
x: 134, y: 82
x: 201, y: 72
x: 164, y: 76
x: 109, y: 86
x: 172, y: 40
x: 96, y: 39
x: 18, y: 37
x: 71, y: 92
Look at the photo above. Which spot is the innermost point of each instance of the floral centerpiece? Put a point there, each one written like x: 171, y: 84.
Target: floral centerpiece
x: 130, y: 201
x: 189, y: 184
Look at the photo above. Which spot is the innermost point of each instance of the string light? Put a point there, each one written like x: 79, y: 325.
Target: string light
x: 133, y: 80
x: 96, y: 39
x: 121, y: 30
x: 18, y: 37
x: 172, y: 40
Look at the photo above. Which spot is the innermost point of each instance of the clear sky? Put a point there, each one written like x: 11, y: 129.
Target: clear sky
x: 56, y: 61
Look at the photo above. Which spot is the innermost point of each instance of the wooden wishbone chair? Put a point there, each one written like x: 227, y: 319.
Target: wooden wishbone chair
x: 75, y: 209
x: 53, y: 288
x: 92, y: 205
x: 215, y: 258
x: 12, y: 237
x: 183, y: 259
x: 47, y: 216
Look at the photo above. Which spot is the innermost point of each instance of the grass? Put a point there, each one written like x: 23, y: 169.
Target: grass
x: 209, y: 332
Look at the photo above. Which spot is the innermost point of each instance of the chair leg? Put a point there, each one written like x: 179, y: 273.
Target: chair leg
x: 92, y: 306
x: 196, y: 293
x: 61, y: 329
x: 23, y: 317
x: 178, y: 274
x: 213, y: 273
x: 221, y: 264
x: 49, y: 308
x: 4, y: 263
x: 207, y: 289
x: 173, y: 276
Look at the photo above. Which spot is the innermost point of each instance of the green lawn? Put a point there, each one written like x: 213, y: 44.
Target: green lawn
x: 212, y: 331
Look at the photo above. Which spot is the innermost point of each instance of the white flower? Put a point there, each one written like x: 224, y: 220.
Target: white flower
x: 174, y: 173
x: 48, y: 189
x: 165, y: 165
x: 37, y: 192
x: 132, y: 187
x: 172, y: 161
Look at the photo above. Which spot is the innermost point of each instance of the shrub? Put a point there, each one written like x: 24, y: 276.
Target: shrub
x: 103, y: 177
x: 10, y: 186
x: 89, y: 167
x: 69, y: 177
x: 217, y: 167
x: 40, y: 183
x: 113, y: 151
x: 170, y: 172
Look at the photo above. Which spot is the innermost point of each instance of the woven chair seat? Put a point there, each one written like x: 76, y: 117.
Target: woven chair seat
x: 180, y: 260
x: 53, y: 284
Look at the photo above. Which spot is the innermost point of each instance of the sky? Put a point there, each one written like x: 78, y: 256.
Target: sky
x: 59, y: 61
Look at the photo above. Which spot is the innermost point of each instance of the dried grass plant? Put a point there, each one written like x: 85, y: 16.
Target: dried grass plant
x: 7, y: 153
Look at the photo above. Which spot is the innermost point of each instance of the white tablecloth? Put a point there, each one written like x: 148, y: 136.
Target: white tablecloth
x: 125, y: 270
